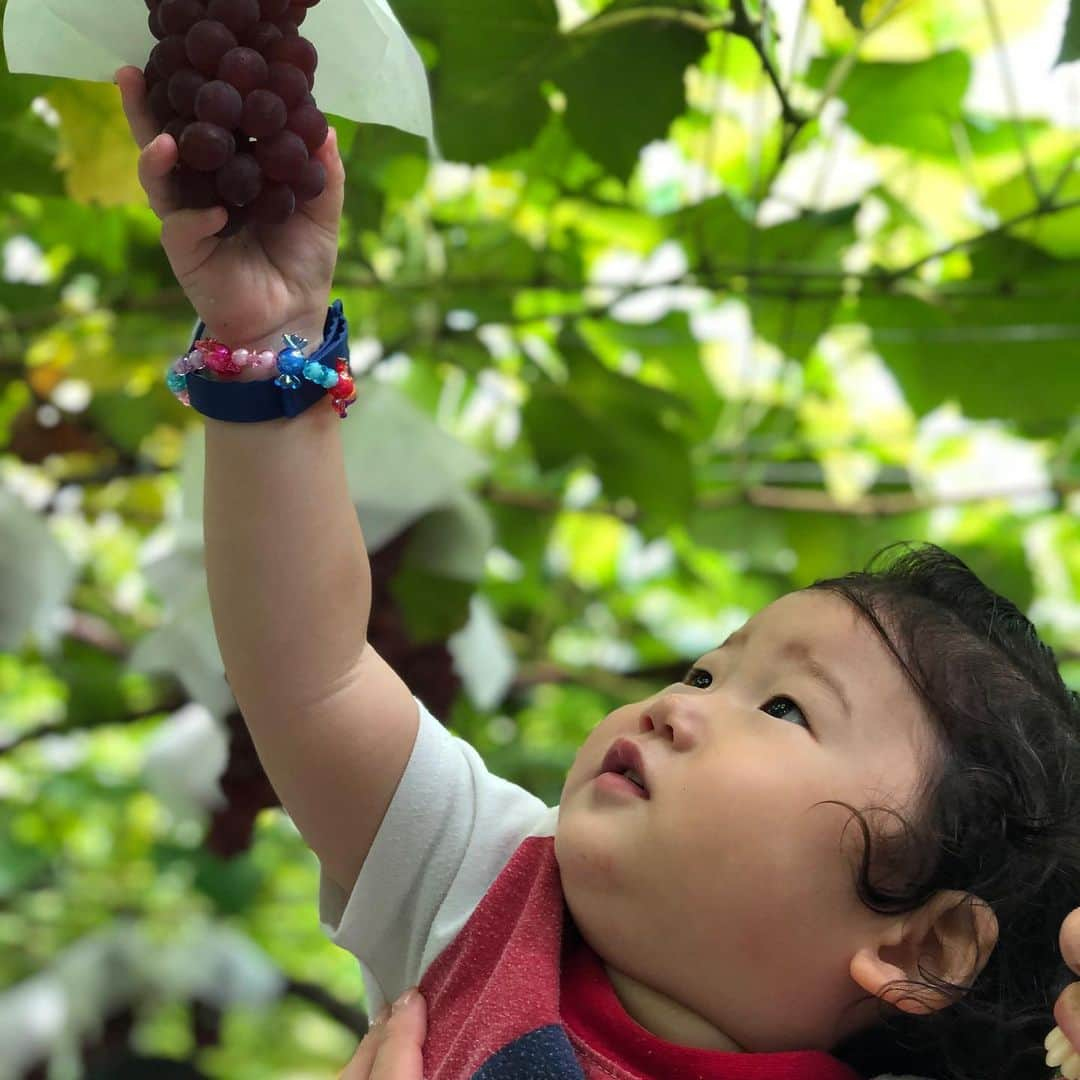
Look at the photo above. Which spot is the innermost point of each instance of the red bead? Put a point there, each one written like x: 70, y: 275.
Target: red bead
x: 343, y: 388
x: 218, y: 357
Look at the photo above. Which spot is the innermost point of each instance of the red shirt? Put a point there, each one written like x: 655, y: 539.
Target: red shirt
x: 519, y: 995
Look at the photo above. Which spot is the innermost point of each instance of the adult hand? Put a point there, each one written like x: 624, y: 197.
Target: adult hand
x: 1064, y: 1044
x: 393, y: 1047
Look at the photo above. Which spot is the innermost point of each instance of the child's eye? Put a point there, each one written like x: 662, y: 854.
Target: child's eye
x: 695, y: 673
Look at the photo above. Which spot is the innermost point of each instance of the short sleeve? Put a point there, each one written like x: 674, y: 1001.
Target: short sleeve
x: 451, y: 827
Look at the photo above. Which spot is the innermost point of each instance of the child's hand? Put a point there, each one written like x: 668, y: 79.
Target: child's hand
x: 1064, y: 1044
x: 267, y: 280
x: 392, y: 1048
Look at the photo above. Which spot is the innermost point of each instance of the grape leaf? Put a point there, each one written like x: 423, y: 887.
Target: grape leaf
x: 853, y: 10
x: 1070, y: 44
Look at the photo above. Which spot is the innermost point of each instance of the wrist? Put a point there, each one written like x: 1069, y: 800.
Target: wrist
x: 309, y: 328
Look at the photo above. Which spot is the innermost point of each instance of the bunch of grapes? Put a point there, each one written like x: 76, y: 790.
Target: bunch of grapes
x: 231, y: 82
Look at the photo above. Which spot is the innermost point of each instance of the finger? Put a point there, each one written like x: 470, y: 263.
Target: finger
x: 159, y: 151
x: 325, y: 211
x: 156, y: 162
x: 189, y: 237
x: 359, y: 1068
x: 133, y: 96
x: 1070, y: 940
x: 1067, y: 1014
x: 401, y: 1054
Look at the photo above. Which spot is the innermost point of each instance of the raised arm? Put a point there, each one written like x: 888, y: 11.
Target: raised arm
x: 288, y: 574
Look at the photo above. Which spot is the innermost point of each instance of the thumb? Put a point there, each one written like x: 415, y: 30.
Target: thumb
x: 326, y: 209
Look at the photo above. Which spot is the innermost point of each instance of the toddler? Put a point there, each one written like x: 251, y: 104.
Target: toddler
x: 839, y: 847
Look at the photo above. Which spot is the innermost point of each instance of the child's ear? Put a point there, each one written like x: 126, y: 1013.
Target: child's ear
x: 952, y: 936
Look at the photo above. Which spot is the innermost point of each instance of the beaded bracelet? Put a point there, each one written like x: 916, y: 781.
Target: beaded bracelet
x: 292, y: 367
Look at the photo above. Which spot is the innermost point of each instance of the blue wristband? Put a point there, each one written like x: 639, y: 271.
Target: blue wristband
x: 254, y: 402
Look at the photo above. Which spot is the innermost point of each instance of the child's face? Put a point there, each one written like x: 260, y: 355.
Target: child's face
x: 724, y: 905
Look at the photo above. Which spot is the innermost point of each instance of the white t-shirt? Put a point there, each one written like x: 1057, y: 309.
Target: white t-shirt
x: 451, y: 827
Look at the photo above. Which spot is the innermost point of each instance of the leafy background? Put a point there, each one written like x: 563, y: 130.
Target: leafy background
x: 710, y: 298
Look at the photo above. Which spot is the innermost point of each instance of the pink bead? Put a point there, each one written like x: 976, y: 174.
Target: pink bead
x: 184, y: 398
x: 267, y: 358
x: 218, y: 357
x: 242, y: 357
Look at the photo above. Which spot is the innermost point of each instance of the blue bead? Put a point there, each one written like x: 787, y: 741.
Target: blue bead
x: 287, y: 382
x: 291, y: 362
x: 313, y: 372
x: 175, y: 381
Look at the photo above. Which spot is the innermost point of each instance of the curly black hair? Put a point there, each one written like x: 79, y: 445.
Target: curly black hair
x: 998, y: 817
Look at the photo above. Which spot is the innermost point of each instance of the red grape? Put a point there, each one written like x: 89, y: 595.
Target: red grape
x: 295, y: 50
x: 170, y: 55
x: 239, y: 180
x: 282, y: 156
x: 175, y: 127
x: 275, y: 204
x: 206, y: 43
x: 239, y: 217
x: 262, y: 37
x: 183, y: 88
x: 219, y: 103
x: 244, y: 68
x: 206, y: 147
x: 264, y: 114
x: 239, y: 16
x: 179, y: 16
x: 196, y: 190
x: 310, y: 124
x: 160, y: 105
x: 311, y: 182
x: 288, y: 82
x: 230, y: 81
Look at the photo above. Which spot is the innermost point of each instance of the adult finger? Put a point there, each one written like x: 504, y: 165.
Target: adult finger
x: 1067, y: 1014
x: 1069, y: 940
x: 400, y: 1056
x: 359, y: 1068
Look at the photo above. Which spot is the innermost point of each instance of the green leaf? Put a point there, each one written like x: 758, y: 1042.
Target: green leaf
x: 719, y: 233
x: 232, y: 884
x: 623, y: 91
x: 433, y: 607
x: 1057, y: 233
x: 1016, y: 355
x: 853, y: 10
x: 911, y: 105
x: 615, y: 422
x: 670, y: 358
x: 811, y: 242
x: 1070, y: 43
x: 97, y: 152
x: 493, y: 57
x: 94, y: 682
